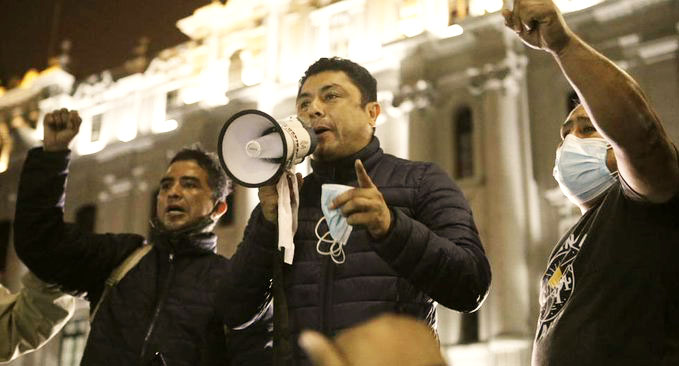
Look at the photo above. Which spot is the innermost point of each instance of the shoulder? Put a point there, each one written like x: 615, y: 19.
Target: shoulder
x: 407, y: 172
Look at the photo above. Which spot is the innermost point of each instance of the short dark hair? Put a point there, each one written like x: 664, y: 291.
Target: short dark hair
x: 361, y: 77
x: 216, y: 178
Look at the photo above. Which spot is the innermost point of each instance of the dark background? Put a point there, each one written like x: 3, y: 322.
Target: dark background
x: 103, y: 33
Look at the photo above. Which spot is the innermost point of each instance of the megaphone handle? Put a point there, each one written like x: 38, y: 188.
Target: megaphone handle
x: 287, y: 214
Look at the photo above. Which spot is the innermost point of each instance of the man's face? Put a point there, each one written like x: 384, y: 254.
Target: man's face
x: 579, y: 124
x: 184, y: 196
x: 330, y: 103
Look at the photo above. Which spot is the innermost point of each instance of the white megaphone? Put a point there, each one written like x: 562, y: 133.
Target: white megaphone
x: 255, y: 149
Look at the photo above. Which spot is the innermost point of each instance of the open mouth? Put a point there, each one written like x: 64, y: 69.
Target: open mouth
x: 175, y: 209
x: 320, y: 130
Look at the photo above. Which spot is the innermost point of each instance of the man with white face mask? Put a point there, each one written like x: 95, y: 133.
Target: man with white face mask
x: 377, y: 234
x: 610, y: 295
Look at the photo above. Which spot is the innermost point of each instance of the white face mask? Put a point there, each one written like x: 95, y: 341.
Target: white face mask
x: 339, y: 229
x: 580, y: 168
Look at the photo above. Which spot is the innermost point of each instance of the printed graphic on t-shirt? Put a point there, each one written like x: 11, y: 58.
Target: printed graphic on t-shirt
x: 558, y: 282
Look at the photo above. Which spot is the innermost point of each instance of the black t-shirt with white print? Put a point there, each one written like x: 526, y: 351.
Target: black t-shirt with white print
x: 610, y: 294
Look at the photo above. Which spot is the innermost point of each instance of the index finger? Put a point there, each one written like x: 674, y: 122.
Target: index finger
x: 364, y: 180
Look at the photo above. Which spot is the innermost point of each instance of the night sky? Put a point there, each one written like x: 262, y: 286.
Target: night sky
x: 103, y: 33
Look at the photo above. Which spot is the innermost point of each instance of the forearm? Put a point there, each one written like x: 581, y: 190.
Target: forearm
x: 438, y: 249
x: 56, y: 251
x: 39, y: 221
x: 622, y: 114
x: 450, y: 266
x: 248, y: 287
x: 613, y: 100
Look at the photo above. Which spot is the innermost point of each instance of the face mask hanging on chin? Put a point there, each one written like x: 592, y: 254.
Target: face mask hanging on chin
x: 580, y: 168
x: 339, y: 230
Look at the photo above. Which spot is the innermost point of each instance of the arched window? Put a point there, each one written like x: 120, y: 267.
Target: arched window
x: 464, y: 143
x: 572, y: 101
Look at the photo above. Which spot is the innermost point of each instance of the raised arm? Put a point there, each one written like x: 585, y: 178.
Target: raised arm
x: 617, y: 107
x: 56, y: 251
x: 247, y: 290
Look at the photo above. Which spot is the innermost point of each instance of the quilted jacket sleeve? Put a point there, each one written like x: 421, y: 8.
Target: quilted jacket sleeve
x: 247, y: 291
x: 31, y: 317
x: 439, y: 250
x: 59, y: 252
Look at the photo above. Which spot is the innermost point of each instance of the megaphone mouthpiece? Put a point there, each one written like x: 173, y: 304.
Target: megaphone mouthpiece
x: 266, y: 147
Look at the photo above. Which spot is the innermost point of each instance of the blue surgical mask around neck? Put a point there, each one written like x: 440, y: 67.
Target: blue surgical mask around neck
x: 580, y: 168
x: 339, y: 229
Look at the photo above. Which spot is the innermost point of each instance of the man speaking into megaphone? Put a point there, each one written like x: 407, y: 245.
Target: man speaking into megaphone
x: 376, y: 234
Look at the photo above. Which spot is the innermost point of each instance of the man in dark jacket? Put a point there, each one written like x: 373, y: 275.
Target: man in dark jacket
x: 165, y: 307
x: 413, y: 243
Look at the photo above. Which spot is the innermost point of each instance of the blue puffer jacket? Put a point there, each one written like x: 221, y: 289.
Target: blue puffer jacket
x: 432, y: 252
x: 167, y: 303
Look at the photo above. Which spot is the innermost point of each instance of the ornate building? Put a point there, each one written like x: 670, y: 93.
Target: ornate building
x: 456, y: 87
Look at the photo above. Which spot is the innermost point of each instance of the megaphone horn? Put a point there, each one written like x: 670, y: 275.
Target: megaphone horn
x: 254, y: 149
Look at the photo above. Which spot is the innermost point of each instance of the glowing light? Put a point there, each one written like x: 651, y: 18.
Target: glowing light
x: 575, y: 5
x: 481, y: 7
x: 29, y: 78
x: 410, y: 23
x: 410, y: 27
x: 5, y: 147
x: 191, y: 95
x: 450, y: 32
x: 87, y: 148
x: 127, y: 131
x: 251, y: 73
x: 165, y: 126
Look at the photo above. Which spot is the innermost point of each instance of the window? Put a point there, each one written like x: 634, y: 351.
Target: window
x: 458, y: 10
x: 153, y: 211
x: 5, y: 227
x: 464, y: 143
x: 572, y: 101
x: 96, y: 128
x: 469, y: 328
x: 73, y: 339
x: 227, y: 218
x: 86, y: 217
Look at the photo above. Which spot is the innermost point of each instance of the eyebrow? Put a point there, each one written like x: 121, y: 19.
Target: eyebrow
x: 568, y: 125
x: 323, y: 89
x: 183, y: 178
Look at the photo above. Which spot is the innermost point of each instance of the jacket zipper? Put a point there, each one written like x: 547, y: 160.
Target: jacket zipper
x: 326, y: 304
x: 159, y: 305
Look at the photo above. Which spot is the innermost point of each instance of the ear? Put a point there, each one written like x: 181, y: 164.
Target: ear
x: 374, y: 110
x: 219, y: 210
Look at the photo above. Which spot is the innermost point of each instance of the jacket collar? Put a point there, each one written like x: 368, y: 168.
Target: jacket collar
x: 342, y: 171
x: 189, y: 241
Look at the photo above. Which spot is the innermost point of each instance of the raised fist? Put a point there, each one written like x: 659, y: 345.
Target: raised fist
x: 60, y: 127
x: 539, y: 24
